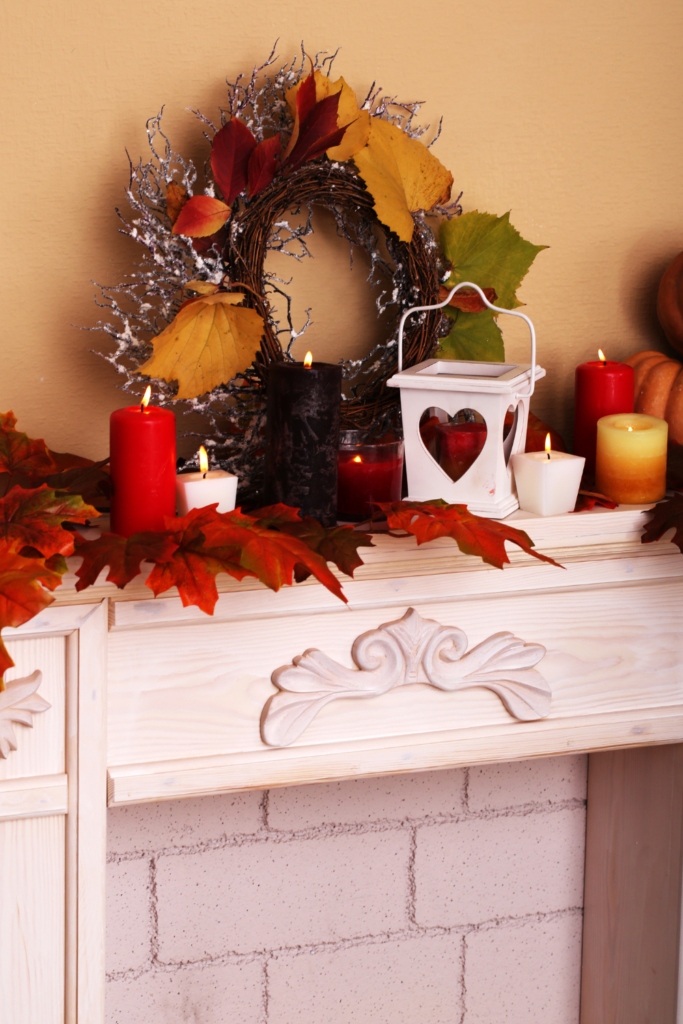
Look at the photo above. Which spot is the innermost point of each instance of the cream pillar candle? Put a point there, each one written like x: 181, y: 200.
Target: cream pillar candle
x: 547, y: 482
x: 208, y: 487
x: 630, y: 461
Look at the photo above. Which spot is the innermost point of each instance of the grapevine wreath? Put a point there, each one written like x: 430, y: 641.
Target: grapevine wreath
x: 199, y: 314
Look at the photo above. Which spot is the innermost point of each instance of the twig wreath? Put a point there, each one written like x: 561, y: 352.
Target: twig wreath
x: 199, y: 314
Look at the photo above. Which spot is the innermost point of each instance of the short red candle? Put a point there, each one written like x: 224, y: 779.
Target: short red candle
x: 368, y: 473
x: 458, y: 446
x: 601, y: 388
x: 143, y: 468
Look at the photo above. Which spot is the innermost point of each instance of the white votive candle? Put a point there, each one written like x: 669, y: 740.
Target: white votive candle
x: 208, y: 487
x: 547, y: 482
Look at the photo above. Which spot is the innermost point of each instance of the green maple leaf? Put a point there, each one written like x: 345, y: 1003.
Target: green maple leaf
x: 473, y: 336
x: 488, y: 251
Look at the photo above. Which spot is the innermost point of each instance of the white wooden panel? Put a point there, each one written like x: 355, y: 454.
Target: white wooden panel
x: 91, y: 815
x: 40, y: 750
x: 32, y: 921
x: 32, y: 797
x: 196, y: 692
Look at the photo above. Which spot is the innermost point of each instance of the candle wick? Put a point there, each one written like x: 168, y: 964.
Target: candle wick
x: 204, y: 475
x: 548, y: 454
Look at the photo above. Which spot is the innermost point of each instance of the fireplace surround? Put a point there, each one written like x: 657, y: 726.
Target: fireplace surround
x: 150, y: 701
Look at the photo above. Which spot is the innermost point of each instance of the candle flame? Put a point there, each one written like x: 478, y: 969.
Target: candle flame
x: 601, y: 356
x: 146, y: 397
x: 308, y: 360
x: 630, y: 428
x: 357, y: 458
x: 203, y: 460
x: 548, y: 447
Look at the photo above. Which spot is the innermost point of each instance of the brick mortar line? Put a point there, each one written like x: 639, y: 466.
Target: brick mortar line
x: 381, y: 938
x: 278, y: 836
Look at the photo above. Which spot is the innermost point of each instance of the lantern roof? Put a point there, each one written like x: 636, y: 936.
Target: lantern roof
x: 465, y: 375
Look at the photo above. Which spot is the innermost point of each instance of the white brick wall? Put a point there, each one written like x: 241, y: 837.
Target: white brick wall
x: 438, y: 898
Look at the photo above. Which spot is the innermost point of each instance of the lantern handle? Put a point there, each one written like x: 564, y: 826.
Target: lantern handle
x: 496, y: 309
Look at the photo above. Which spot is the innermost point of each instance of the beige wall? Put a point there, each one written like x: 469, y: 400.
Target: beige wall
x: 568, y: 114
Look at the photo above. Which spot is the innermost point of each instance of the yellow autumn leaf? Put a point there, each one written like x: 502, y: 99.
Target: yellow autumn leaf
x: 402, y: 176
x: 358, y: 132
x: 210, y: 340
x: 202, y: 287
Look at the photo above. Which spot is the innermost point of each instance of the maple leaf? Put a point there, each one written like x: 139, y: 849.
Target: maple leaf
x: 196, y: 561
x: 176, y: 197
x: 263, y: 164
x: 666, y: 515
x: 209, y: 342
x: 201, y: 216
x: 586, y: 500
x: 474, y: 535
x: 232, y: 146
x: 270, y: 555
x: 22, y: 592
x: 349, y: 116
x: 337, y: 544
x: 123, y: 555
x: 402, y: 176
x: 467, y: 299
x: 473, y: 336
x: 488, y: 251
x: 315, y: 128
x: 19, y: 453
x: 33, y: 518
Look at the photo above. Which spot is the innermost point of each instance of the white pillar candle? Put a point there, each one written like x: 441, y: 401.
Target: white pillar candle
x: 208, y: 487
x: 547, y: 482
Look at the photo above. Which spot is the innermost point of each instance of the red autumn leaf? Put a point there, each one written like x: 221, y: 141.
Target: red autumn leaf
x: 263, y: 164
x: 474, y: 535
x: 22, y: 592
x: 317, y: 133
x: 666, y: 515
x: 196, y: 562
x: 231, y: 148
x: 123, y: 556
x: 467, y: 299
x: 20, y: 454
x: 587, y: 500
x: 338, y: 544
x: 176, y: 197
x: 270, y: 555
x: 217, y: 239
x: 201, y: 216
x: 33, y: 518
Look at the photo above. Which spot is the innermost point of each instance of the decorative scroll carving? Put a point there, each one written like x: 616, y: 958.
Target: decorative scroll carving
x: 409, y: 650
x: 18, y: 703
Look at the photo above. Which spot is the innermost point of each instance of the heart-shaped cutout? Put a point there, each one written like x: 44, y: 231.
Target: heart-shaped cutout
x: 454, y: 442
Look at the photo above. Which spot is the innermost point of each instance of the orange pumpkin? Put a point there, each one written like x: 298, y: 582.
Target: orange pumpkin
x: 670, y: 302
x: 658, y: 387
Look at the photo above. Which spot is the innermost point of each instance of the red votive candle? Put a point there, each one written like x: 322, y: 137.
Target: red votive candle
x: 367, y: 473
x: 143, y: 468
x: 602, y: 387
x: 458, y: 446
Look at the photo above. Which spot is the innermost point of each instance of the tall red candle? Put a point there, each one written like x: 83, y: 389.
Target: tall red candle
x: 602, y: 387
x: 143, y: 468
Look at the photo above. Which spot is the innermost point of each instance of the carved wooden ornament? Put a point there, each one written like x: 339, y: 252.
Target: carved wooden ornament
x: 18, y: 703
x: 409, y: 650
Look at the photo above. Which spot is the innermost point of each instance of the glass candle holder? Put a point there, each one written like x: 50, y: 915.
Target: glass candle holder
x: 458, y: 446
x: 368, y: 472
x: 630, y: 463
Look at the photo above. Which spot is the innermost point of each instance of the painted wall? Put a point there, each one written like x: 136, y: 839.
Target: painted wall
x: 448, y: 897
x: 567, y: 114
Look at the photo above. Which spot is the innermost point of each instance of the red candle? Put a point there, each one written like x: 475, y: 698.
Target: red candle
x: 602, y: 387
x: 143, y: 468
x: 368, y: 473
x: 458, y: 446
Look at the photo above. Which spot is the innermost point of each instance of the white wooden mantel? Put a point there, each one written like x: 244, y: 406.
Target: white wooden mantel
x: 457, y: 664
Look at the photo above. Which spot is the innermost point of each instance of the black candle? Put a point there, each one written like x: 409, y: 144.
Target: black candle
x: 302, y: 438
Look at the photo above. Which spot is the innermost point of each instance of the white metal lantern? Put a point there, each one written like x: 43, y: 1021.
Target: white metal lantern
x: 449, y: 386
